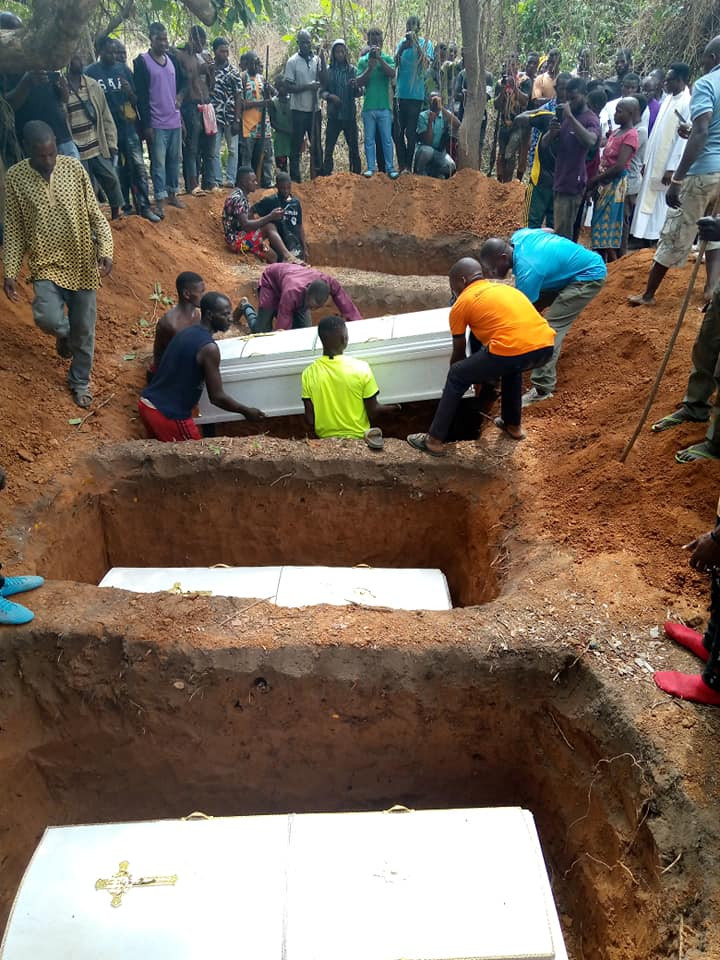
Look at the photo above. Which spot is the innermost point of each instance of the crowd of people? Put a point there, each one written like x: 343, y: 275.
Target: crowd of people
x: 645, y: 154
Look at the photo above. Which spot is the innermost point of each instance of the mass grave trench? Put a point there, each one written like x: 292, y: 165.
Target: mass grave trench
x: 119, y: 707
x: 154, y: 505
x: 111, y: 725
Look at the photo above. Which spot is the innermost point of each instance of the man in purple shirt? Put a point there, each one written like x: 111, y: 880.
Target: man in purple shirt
x: 577, y: 134
x: 289, y: 291
x: 160, y: 86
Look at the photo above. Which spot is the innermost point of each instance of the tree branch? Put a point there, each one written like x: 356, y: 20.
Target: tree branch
x: 48, y: 39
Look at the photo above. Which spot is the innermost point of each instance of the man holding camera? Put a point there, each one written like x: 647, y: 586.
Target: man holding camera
x: 412, y: 59
x: 375, y: 71
x: 434, y: 127
x: 41, y: 95
x: 578, y: 130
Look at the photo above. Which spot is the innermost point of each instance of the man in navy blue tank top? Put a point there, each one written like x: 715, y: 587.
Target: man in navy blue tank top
x: 190, y: 362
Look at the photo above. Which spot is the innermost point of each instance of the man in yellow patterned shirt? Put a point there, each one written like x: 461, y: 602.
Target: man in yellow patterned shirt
x: 52, y: 215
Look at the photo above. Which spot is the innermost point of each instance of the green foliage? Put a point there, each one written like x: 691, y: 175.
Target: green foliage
x: 596, y: 25
x: 345, y: 19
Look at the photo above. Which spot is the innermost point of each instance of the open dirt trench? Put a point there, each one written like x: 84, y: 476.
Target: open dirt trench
x: 119, y: 707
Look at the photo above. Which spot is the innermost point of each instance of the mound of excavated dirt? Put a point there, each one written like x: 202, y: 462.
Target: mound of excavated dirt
x: 349, y: 207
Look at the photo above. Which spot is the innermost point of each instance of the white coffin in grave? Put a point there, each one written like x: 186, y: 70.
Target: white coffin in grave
x: 419, y: 589
x: 426, y: 885
x: 408, y: 353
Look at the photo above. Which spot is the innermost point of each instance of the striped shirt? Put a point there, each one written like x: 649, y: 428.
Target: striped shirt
x: 82, y: 128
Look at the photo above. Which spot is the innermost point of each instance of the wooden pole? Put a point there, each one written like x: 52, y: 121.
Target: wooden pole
x: 671, y: 343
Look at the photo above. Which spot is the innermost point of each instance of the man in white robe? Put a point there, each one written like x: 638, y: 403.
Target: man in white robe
x: 664, y: 150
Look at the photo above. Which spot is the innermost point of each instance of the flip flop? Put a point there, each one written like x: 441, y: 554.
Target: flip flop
x: 374, y: 438
x: 417, y: 440
x: 637, y: 300
x: 673, y: 420
x: 698, y: 451
x: 500, y: 424
x: 198, y: 192
x: 82, y: 397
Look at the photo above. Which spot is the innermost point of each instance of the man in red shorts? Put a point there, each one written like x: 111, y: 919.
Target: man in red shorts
x: 190, y: 362
x: 242, y: 234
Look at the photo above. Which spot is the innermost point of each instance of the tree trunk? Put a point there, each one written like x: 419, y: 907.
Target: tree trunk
x: 54, y: 31
x: 472, y: 21
x: 48, y: 39
x: 204, y: 10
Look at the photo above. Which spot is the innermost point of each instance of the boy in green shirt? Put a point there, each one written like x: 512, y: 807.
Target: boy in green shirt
x: 340, y: 393
x: 375, y: 71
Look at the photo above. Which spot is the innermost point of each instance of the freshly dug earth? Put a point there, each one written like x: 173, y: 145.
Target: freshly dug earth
x: 343, y: 207
x: 596, y: 545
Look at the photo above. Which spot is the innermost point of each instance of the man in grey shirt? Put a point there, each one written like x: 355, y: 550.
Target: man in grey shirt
x: 303, y: 73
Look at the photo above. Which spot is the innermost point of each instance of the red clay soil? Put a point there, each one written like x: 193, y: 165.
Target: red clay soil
x: 577, y: 494
x: 416, y: 206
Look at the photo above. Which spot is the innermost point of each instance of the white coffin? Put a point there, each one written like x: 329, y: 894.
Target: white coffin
x: 419, y: 589
x: 409, y: 355
x: 426, y: 885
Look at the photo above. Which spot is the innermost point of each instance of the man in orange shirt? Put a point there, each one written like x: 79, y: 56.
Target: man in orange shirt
x: 514, y: 337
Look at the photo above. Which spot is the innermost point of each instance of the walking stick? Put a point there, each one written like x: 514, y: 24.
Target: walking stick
x: 263, y: 122
x: 671, y: 343
x: 496, y: 134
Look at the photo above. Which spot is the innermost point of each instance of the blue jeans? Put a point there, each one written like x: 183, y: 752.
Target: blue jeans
x: 78, y: 325
x: 380, y: 120
x: 165, y: 162
x: 231, y: 139
x: 68, y: 149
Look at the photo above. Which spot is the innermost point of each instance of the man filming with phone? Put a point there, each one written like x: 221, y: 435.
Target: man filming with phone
x: 434, y: 127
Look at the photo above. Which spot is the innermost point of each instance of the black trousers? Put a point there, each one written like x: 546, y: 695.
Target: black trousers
x: 486, y: 367
x: 261, y: 321
x: 305, y: 122
x: 408, y: 113
x: 336, y: 126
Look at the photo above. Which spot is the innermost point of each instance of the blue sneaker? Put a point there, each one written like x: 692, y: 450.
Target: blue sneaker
x: 15, y: 585
x: 14, y: 614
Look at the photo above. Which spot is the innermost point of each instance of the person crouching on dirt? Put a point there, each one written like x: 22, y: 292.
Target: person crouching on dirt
x: 14, y: 614
x: 190, y: 362
x: 514, y: 338
x: 287, y: 294
x: 186, y: 312
x: 552, y: 272
x: 340, y: 393
x: 434, y: 127
x: 243, y: 234
x: 287, y: 236
x: 699, y: 687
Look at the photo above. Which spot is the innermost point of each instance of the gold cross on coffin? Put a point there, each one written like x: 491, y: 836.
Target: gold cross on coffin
x: 119, y: 883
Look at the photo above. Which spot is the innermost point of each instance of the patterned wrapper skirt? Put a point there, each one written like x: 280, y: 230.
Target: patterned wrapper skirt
x: 608, y: 213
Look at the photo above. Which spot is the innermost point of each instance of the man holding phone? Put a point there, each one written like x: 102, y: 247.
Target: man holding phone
x: 375, y: 71
x: 413, y: 57
x: 578, y: 131
x: 41, y: 95
x: 434, y: 127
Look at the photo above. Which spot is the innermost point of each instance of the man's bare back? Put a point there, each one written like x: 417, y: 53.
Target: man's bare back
x: 178, y: 318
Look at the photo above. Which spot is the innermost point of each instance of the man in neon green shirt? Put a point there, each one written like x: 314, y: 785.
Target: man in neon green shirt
x: 340, y: 393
